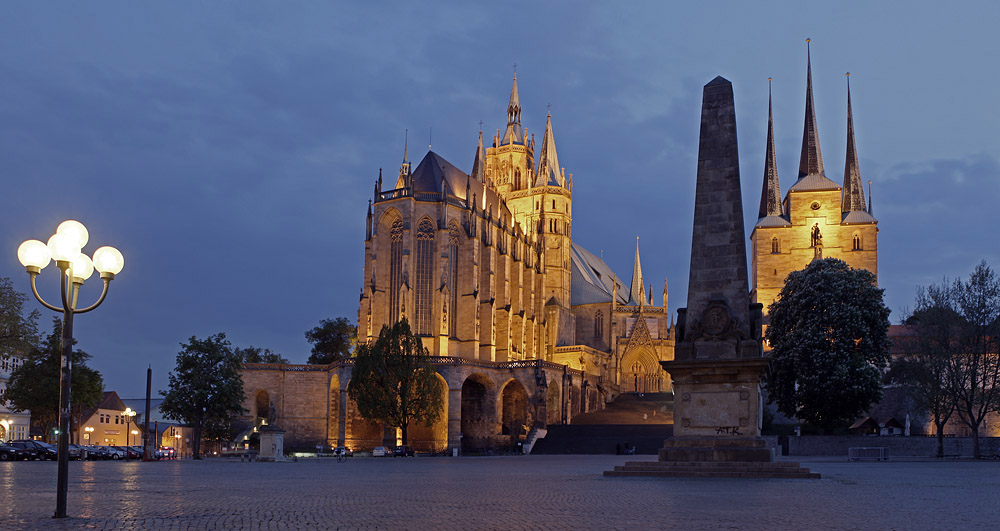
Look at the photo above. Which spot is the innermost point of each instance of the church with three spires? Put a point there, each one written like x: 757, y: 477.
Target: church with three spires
x: 525, y: 327
x: 818, y: 218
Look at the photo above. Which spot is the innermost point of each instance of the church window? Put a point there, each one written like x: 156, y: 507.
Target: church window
x: 856, y: 245
x: 553, y: 204
x: 424, y: 265
x: 517, y: 178
x: 599, y: 324
x: 395, y: 268
x: 453, y: 280
x: 775, y: 248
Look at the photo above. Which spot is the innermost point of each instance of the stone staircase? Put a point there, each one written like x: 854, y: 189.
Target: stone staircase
x: 709, y: 469
x: 601, y: 439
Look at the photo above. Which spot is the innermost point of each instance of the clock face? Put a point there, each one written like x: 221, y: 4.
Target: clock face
x: 814, y: 205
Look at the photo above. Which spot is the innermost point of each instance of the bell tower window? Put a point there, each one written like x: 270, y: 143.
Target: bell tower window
x: 856, y: 245
x: 775, y: 246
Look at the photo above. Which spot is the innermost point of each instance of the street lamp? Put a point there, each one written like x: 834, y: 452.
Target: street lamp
x: 64, y: 247
x: 89, y: 430
x: 128, y: 424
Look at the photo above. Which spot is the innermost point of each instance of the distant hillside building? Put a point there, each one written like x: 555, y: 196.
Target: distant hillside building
x: 527, y: 328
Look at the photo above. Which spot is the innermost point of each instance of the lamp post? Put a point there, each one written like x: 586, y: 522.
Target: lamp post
x: 89, y: 434
x: 128, y: 413
x: 64, y: 247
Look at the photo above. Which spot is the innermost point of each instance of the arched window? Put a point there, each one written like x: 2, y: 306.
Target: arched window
x: 395, y: 268
x: 453, y: 280
x: 599, y: 324
x: 856, y: 246
x: 775, y: 247
x: 424, y: 267
x: 517, y: 178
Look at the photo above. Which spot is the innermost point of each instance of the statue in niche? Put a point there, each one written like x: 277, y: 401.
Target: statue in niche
x: 817, y: 237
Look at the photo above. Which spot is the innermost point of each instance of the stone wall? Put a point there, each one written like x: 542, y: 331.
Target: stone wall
x: 838, y: 445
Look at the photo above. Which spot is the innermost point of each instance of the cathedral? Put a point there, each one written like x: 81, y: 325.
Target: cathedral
x: 817, y: 218
x: 525, y: 327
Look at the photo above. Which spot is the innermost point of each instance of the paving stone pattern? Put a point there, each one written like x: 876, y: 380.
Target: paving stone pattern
x: 530, y: 492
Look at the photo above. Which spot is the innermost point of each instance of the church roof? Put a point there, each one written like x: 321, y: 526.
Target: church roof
x: 549, y: 172
x: 857, y: 217
x: 811, y: 159
x: 637, y: 292
x: 427, y: 178
x: 814, y: 182
x: 592, y: 279
x: 854, y: 193
x: 773, y: 221
x: 770, y: 194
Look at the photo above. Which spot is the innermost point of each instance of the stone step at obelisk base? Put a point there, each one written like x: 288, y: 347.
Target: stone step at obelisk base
x: 718, y: 358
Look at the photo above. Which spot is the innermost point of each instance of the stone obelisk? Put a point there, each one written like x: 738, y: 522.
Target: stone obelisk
x: 718, y: 358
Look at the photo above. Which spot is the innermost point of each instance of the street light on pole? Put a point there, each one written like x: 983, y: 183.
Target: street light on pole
x: 64, y: 247
x: 128, y: 425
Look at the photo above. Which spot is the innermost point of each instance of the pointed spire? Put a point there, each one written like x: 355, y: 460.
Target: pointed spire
x: 637, y: 292
x: 770, y: 194
x: 404, y: 167
x: 479, y: 163
x: 854, y: 192
x: 549, y: 172
x: 870, y: 209
x: 406, y: 143
x: 811, y: 161
x: 514, y: 133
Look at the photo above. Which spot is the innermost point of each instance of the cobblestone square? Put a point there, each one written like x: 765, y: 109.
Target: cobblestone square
x: 531, y: 492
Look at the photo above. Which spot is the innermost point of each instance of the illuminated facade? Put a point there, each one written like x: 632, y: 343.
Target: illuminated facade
x: 13, y: 425
x: 818, y: 218
x: 526, y: 328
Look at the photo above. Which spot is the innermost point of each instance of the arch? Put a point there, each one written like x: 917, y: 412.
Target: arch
x: 478, y: 413
x: 856, y: 243
x: 641, y: 372
x: 433, y: 438
x: 424, y: 273
x: 553, y: 409
x: 515, y: 419
x: 262, y: 404
x: 775, y: 245
x: 361, y: 433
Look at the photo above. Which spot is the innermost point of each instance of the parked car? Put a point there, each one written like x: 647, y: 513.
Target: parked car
x: 130, y: 452
x: 114, y: 452
x: 343, y: 451
x: 402, y: 451
x: 96, y: 453
x: 380, y: 451
x: 43, y: 450
x: 29, y: 450
x: 11, y: 453
x: 77, y: 452
x: 167, y: 452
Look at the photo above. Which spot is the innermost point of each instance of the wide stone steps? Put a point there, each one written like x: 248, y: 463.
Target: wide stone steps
x: 780, y: 470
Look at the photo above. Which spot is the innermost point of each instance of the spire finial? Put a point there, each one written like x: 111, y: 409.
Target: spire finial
x: 811, y: 160
x: 854, y: 192
x: 430, y: 137
x: 770, y: 194
x: 406, y: 142
x: 870, y: 209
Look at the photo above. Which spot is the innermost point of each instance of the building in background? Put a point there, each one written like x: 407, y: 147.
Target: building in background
x: 13, y: 425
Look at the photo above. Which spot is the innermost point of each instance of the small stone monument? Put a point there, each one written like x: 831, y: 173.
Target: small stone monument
x: 718, y: 358
x: 272, y: 443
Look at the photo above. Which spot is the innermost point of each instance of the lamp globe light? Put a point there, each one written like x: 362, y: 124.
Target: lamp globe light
x: 75, y: 230
x: 107, y: 259
x: 63, y: 247
x: 34, y: 253
x: 82, y: 267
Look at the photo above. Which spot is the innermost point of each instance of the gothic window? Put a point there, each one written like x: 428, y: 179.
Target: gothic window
x: 856, y: 246
x: 553, y: 204
x: 599, y: 324
x: 395, y: 268
x: 517, y: 178
x: 453, y: 280
x: 775, y: 248
x: 424, y: 267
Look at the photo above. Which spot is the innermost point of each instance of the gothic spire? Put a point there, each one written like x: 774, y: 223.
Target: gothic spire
x: 637, y: 293
x: 549, y: 172
x: 770, y: 194
x: 514, y: 133
x: 854, y: 192
x: 870, y: 209
x: 479, y: 163
x: 811, y: 161
x: 404, y: 167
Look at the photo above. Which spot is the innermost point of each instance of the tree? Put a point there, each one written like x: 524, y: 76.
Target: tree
x: 393, y: 381
x: 923, y: 371
x: 830, y: 344
x: 18, y: 331
x: 974, y: 369
x: 331, y: 340
x: 258, y: 355
x: 205, y: 387
x: 34, y: 385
